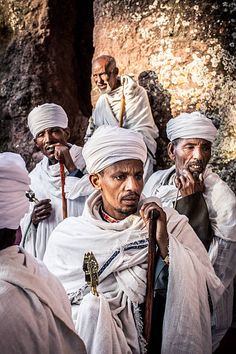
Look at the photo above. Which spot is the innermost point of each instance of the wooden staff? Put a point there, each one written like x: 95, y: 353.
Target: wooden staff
x: 64, y: 203
x: 122, y: 105
x: 154, y: 214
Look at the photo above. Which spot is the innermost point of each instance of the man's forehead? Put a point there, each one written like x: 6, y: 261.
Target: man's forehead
x: 125, y: 165
x: 194, y: 141
x: 50, y: 128
x: 99, y: 65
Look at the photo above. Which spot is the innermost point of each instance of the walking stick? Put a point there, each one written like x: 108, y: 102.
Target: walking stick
x: 154, y: 214
x: 64, y: 203
x: 122, y: 105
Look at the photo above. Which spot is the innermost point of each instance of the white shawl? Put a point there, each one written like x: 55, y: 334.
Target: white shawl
x: 138, y: 115
x: 46, y: 184
x: 220, y: 199
x: 107, y: 323
x: 35, y: 312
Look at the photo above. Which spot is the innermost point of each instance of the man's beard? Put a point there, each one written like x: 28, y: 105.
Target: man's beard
x: 107, y: 90
x: 127, y: 211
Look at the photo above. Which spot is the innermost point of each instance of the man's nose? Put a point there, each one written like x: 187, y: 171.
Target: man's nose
x: 198, y: 153
x: 47, y: 136
x: 132, y: 184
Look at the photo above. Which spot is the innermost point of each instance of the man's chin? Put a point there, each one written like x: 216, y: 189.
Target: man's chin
x: 128, y: 210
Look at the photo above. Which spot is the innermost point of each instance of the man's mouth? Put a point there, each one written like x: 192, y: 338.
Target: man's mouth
x: 50, y: 149
x: 102, y: 87
x: 130, y: 199
x: 196, y: 166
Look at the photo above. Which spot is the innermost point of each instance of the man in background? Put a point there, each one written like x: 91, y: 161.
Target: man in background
x: 194, y: 190
x: 48, y: 124
x: 122, y: 99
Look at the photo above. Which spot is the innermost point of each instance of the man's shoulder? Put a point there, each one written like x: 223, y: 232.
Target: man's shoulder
x: 156, y: 179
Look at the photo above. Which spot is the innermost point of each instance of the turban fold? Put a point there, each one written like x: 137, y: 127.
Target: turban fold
x: 47, y: 115
x: 112, y: 144
x: 191, y: 125
x: 14, y: 182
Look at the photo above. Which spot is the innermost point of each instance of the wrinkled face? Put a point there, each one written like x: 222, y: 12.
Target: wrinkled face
x: 47, y: 138
x: 104, y: 77
x: 121, y: 185
x: 192, y: 154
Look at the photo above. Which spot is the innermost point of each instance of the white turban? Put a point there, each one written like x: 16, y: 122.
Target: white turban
x: 14, y: 182
x: 191, y: 125
x: 112, y: 144
x: 47, y: 115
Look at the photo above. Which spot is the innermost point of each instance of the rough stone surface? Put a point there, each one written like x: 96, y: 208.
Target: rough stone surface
x: 190, y: 49
x: 43, y: 58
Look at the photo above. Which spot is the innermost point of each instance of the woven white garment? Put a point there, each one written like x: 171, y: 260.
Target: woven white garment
x: 121, y: 251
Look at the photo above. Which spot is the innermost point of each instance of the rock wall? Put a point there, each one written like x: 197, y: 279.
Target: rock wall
x: 183, y: 51
x: 45, y: 54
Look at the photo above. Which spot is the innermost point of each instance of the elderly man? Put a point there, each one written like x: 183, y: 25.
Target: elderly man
x: 113, y: 227
x: 195, y: 191
x: 122, y: 98
x: 35, y: 313
x: 48, y: 124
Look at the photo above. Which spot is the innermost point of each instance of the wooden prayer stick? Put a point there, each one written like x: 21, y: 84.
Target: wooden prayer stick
x: 154, y: 214
x: 64, y: 203
x: 122, y: 105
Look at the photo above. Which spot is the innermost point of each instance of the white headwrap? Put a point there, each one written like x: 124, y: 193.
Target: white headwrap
x: 112, y: 144
x: 191, y: 125
x: 14, y: 182
x: 47, y: 115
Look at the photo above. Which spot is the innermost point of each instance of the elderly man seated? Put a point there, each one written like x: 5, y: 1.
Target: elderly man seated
x: 114, y: 227
x: 194, y: 190
x: 35, y: 314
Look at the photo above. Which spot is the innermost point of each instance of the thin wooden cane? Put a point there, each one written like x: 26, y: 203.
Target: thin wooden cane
x: 154, y: 214
x: 63, y: 197
x: 122, y: 105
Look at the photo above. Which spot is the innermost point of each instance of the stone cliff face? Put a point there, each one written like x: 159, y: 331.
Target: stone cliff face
x: 181, y: 51
x: 190, y: 48
x: 45, y: 55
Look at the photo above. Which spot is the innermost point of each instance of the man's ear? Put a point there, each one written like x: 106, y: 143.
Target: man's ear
x: 116, y: 71
x: 171, y: 151
x: 95, y: 180
x: 67, y: 133
x: 35, y: 141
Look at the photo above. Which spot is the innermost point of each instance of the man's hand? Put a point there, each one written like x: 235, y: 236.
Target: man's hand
x: 188, y: 185
x: 162, y: 237
x: 62, y: 154
x: 42, y: 210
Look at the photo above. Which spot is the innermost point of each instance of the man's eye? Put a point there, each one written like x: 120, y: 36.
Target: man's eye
x: 119, y: 177
x: 40, y: 135
x: 206, y: 148
x: 139, y: 177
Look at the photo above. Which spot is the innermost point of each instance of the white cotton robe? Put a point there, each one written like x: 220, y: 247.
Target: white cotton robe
x: 35, y: 313
x: 108, y: 323
x: 46, y: 184
x: 138, y: 115
x: 221, y: 204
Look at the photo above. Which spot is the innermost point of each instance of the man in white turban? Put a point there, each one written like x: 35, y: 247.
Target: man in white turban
x: 48, y: 124
x: 122, y: 96
x: 195, y: 191
x: 35, y: 313
x: 113, y: 227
